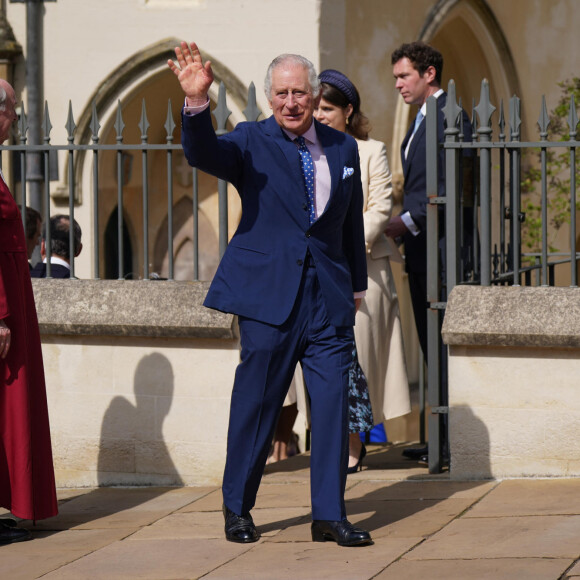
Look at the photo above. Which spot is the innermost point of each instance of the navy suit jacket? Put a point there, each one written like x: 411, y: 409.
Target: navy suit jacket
x: 415, y: 185
x: 56, y: 271
x: 259, y: 275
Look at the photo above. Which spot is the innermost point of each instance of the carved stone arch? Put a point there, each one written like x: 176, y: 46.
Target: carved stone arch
x: 144, y: 76
x: 152, y: 57
x: 474, y: 47
x: 130, y: 73
x: 470, y: 36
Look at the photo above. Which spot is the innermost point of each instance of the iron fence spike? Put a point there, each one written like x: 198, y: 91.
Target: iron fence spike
x: 95, y: 125
x: 70, y: 123
x: 119, y: 124
x: 473, y: 117
x: 144, y: 123
x: 484, y: 108
x: 543, y: 120
x: 23, y: 123
x: 461, y: 121
x: 169, y: 123
x: 252, y: 111
x: 572, y: 117
x: 451, y: 110
x: 221, y: 112
x: 46, y: 125
x: 515, y: 119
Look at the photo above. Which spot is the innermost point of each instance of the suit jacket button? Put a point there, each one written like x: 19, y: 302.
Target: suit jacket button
x: 307, y: 234
x: 299, y: 262
x: 304, y: 207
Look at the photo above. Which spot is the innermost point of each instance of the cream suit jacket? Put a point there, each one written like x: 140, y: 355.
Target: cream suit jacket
x: 377, y: 198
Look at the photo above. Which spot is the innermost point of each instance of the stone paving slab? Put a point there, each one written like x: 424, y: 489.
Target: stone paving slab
x: 574, y: 571
x: 300, y: 531
x: 151, y: 560
x: 507, y: 537
x: 320, y: 561
x: 523, y: 497
x: 119, y: 507
x: 424, y: 526
x: 269, y: 495
x: 420, y: 490
x: 499, y: 569
x: 406, y: 518
x: 49, y: 551
x: 195, y: 525
x: 209, y: 502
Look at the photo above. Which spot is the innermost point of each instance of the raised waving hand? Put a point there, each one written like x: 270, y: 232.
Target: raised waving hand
x: 193, y: 75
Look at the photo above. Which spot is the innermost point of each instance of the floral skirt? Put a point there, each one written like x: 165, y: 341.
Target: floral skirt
x: 360, y: 417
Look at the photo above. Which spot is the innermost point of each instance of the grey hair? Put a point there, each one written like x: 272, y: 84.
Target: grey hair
x: 3, y: 98
x: 295, y: 59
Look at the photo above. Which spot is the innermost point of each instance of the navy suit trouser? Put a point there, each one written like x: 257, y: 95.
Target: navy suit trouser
x: 269, y: 355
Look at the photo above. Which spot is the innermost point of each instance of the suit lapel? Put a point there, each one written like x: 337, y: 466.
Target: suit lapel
x: 292, y: 171
x: 418, y: 140
x: 286, y: 146
x: 418, y: 137
x: 404, y: 159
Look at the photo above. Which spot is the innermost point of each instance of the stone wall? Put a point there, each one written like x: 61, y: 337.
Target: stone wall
x: 514, y: 363
x: 139, y: 377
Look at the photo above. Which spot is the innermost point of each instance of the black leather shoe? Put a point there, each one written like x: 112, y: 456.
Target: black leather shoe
x: 240, y: 529
x: 343, y: 533
x: 8, y: 522
x: 416, y: 453
x: 10, y: 535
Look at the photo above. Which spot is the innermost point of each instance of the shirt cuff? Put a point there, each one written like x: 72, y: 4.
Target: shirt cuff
x: 411, y: 225
x: 192, y: 111
x: 360, y: 294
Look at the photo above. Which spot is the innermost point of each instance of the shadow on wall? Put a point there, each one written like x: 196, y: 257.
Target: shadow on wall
x: 132, y: 450
x: 469, y: 442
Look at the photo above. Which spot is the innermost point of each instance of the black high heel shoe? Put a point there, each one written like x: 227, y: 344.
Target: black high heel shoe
x: 358, y: 464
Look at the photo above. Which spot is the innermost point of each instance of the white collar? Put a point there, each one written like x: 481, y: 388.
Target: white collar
x: 57, y: 260
x: 423, y: 108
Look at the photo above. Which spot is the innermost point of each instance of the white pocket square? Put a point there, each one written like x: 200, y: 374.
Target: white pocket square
x: 347, y: 172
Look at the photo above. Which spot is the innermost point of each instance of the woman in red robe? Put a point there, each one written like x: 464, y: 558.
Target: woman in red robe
x: 27, y: 486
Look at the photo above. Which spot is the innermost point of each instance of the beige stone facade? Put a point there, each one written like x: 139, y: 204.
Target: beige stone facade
x: 514, y: 362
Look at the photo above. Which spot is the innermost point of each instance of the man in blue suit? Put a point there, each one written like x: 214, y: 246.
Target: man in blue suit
x: 417, y: 68
x: 292, y: 273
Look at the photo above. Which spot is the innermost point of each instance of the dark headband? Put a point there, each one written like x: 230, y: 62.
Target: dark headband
x: 341, y: 82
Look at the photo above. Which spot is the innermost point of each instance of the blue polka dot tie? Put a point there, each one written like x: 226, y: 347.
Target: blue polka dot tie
x: 308, y: 172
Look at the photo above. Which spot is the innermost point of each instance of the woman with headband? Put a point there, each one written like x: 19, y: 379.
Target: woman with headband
x: 378, y: 333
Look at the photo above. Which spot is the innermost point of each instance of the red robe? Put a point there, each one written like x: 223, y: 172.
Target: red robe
x: 27, y: 485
